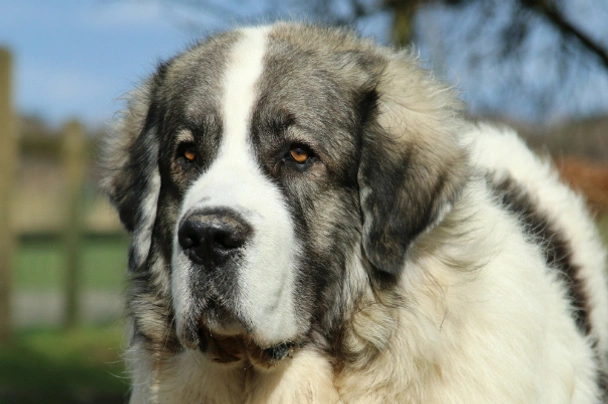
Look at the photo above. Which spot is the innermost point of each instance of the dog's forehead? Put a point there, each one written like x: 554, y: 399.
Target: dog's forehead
x: 295, y: 76
x: 193, y: 79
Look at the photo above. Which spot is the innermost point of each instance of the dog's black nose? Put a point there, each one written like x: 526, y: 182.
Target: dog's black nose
x: 212, y: 237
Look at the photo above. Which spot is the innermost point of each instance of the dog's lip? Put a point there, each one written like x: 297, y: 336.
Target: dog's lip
x: 228, y: 340
x: 219, y: 334
x: 221, y: 349
x: 212, y: 317
x: 233, y: 348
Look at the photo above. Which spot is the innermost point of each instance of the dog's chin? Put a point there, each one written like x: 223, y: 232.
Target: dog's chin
x: 224, y: 339
x: 221, y: 322
x: 230, y: 343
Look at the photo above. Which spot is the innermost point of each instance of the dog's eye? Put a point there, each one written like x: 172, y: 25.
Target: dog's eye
x: 186, y: 152
x: 299, y: 154
x: 190, y: 154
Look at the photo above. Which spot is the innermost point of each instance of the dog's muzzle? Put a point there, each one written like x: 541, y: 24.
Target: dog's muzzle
x: 210, y: 238
x: 213, y: 240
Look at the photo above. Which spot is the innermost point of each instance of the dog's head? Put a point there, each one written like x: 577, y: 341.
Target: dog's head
x: 259, y: 162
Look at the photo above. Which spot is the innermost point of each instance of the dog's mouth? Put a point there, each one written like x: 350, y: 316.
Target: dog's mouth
x: 236, y: 348
x: 224, y: 339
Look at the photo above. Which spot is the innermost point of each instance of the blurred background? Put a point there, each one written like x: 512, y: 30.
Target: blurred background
x: 538, y: 65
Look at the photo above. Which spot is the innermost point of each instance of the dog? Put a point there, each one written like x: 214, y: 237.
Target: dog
x: 313, y: 220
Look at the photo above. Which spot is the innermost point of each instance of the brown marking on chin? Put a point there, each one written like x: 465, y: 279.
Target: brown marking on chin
x: 220, y: 348
x: 266, y: 358
x: 229, y: 349
x: 226, y: 349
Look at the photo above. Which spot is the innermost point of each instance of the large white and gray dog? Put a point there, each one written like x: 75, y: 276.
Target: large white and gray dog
x: 314, y: 221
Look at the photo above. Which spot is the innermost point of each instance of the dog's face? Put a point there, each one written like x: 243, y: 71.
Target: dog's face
x: 260, y: 162
x: 261, y: 189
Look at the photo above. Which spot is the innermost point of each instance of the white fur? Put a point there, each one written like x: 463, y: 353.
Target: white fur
x: 142, y: 235
x: 565, y: 208
x: 495, y: 331
x: 266, y: 277
x: 190, y: 378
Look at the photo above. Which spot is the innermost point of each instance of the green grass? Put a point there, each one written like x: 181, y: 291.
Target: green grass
x: 40, y: 265
x: 76, y: 366
x: 52, y: 366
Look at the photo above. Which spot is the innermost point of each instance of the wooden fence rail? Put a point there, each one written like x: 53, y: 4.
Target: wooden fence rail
x: 74, y: 159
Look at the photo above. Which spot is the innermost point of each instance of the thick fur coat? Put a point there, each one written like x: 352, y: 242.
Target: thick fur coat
x: 313, y: 221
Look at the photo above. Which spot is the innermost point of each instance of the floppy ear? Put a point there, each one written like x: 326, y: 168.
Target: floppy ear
x: 130, y: 171
x: 412, y: 166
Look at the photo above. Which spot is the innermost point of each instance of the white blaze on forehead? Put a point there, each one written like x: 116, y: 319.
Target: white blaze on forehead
x: 266, y: 276
x: 245, y: 66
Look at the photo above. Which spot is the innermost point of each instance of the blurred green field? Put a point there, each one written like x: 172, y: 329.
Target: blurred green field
x: 64, y: 367
x: 39, y: 264
x: 53, y: 365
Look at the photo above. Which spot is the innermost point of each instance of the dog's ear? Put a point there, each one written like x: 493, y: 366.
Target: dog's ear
x: 129, y: 162
x: 412, y: 165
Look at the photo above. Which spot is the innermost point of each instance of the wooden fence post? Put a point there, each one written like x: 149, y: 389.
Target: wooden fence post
x: 74, y: 156
x: 8, y: 149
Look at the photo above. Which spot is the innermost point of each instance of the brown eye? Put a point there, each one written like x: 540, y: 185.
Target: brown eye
x: 190, y: 153
x: 186, y: 154
x: 299, y: 154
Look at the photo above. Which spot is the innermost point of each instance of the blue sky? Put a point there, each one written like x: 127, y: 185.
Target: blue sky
x: 74, y: 58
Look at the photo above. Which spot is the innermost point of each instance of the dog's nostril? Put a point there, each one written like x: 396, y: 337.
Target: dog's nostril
x: 188, y: 235
x: 229, y: 239
x: 211, y: 237
x: 186, y: 242
x: 188, y: 238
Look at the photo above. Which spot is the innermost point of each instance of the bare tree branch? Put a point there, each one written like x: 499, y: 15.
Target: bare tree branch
x: 551, y: 13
